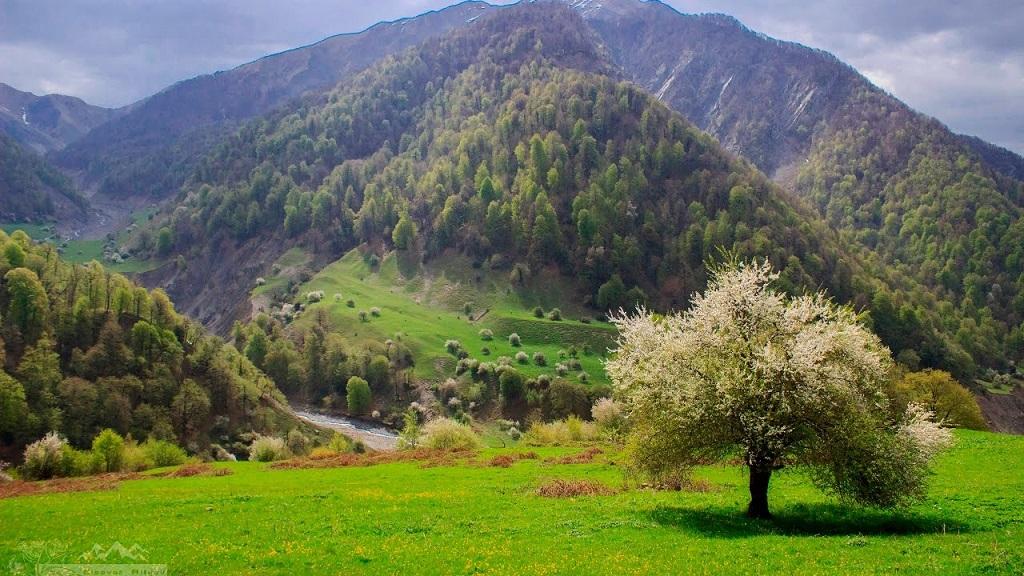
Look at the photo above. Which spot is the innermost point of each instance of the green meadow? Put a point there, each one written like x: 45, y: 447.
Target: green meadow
x: 466, y: 517
x: 426, y: 306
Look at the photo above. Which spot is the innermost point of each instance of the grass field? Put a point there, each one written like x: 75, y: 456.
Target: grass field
x: 425, y: 307
x: 470, y: 518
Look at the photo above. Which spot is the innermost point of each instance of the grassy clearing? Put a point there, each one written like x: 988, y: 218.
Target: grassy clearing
x: 476, y: 518
x: 82, y: 251
x: 424, y: 307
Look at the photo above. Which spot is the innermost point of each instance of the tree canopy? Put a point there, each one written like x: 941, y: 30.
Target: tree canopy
x: 784, y: 381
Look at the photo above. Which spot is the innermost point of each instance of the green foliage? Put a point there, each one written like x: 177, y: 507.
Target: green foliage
x: 267, y: 449
x: 162, y: 453
x: 448, y: 434
x: 108, y: 450
x: 937, y: 391
x: 511, y: 384
x: 358, y: 396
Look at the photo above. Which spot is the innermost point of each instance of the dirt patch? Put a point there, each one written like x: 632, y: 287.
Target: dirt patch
x: 506, y: 460
x: 425, y: 456
x: 95, y: 483
x: 585, y: 457
x: 1004, y: 412
x: 560, y: 488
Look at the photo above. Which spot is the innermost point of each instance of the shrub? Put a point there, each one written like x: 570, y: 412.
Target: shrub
x: 560, y: 432
x: 315, y: 296
x: 511, y: 385
x: 447, y: 434
x: 297, y: 442
x: 566, y: 398
x: 339, y: 443
x: 4, y: 476
x: 358, y: 396
x: 363, y: 316
x: 261, y: 281
x: 583, y: 376
x: 453, y: 346
x: 513, y: 340
x: 322, y: 453
x: 468, y: 308
x: 561, y: 369
x: 607, y: 414
x: 409, y: 437
x: 586, y: 319
x: 539, y: 359
x: 538, y: 312
x: 135, y: 458
x: 267, y: 449
x: 108, y: 449
x: 485, y: 351
x: 337, y: 297
x: 555, y: 314
x: 375, y: 312
x: 522, y: 357
x: 350, y: 303
x: 486, y: 334
x: 44, y: 458
x: 559, y: 488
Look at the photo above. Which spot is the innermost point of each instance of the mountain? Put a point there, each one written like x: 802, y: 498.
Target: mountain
x: 31, y: 190
x: 151, y: 148
x: 47, y: 123
x: 515, y: 142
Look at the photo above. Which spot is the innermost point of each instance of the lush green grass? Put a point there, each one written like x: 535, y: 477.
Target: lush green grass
x: 82, y: 251
x: 34, y: 231
x: 466, y: 519
x: 425, y: 307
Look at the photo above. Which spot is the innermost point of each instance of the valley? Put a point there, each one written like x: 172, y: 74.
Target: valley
x: 549, y: 287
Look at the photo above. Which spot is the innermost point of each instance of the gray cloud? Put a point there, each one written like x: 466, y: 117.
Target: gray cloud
x: 960, y: 62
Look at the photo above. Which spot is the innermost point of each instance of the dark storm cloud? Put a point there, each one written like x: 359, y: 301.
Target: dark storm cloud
x: 962, y: 62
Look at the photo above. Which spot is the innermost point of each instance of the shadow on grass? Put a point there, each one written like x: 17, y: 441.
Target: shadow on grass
x: 804, y: 520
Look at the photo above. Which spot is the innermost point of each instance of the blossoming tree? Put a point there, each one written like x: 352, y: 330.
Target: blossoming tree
x: 785, y: 381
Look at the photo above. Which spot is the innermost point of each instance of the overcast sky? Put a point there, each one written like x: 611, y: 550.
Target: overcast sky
x: 962, y: 62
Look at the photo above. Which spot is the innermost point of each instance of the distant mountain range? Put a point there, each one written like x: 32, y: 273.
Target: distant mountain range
x: 47, y: 123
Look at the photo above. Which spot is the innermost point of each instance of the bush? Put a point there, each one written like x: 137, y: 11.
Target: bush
x: 486, y: 334
x: 135, y: 458
x: 44, y: 458
x: 297, y: 442
x: 339, y: 443
x: 315, y: 296
x: 584, y: 377
x: 539, y: 359
x: 358, y: 396
x: 485, y: 351
x: 511, y: 385
x: 108, y: 449
x: 337, y: 297
x: 363, y: 316
x: 567, y: 398
x: 607, y: 414
x: 538, y: 312
x: 513, y: 340
x: 4, y: 476
x: 560, y: 432
x: 447, y: 434
x: 522, y: 357
x: 350, y: 303
x: 453, y: 346
x: 561, y: 369
x: 267, y: 449
x: 375, y: 312
x: 555, y: 314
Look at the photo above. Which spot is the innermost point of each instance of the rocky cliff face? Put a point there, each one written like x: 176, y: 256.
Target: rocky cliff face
x: 46, y: 123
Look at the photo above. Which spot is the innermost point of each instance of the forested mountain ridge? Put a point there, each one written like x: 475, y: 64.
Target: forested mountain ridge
x: 31, y: 189
x: 50, y: 122
x: 82, y: 349
x: 506, y: 142
x: 150, y: 149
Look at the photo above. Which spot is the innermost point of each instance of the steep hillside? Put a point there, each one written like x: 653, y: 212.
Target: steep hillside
x: 47, y: 123
x: 31, y: 189
x: 510, y: 142
x: 82, y: 349
x: 149, y: 151
x: 941, y: 208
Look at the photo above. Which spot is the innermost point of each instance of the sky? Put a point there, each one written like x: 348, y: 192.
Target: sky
x: 960, y: 61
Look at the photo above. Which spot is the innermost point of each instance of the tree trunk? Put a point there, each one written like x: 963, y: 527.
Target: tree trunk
x: 759, y: 478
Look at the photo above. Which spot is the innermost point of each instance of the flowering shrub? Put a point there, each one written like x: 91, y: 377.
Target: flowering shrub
x: 45, y: 458
x: 375, y: 312
x: 928, y: 435
x: 315, y: 296
x: 486, y: 334
x: 607, y: 414
x: 522, y: 357
x: 447, y: 434
x: 453, y: 346
x: 555, y: 314
x: 514, y: 340
x: 539, y: 359
x: 267, y: 449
